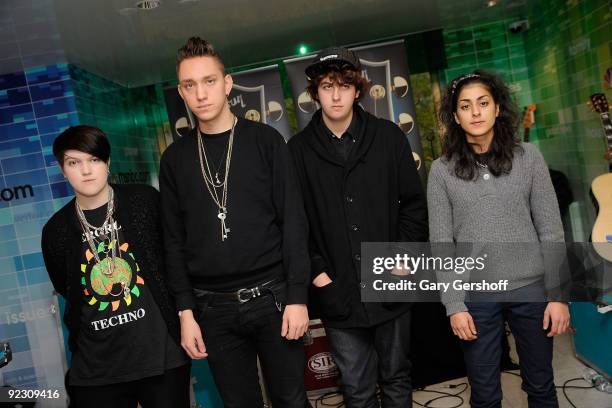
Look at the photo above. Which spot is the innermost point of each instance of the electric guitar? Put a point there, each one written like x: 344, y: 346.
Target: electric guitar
x: 602, y: 185
x: 528, y: 120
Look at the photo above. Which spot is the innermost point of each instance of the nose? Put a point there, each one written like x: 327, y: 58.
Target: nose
x: 86, y: 168
x: 201, y: 93
x: 336, y: 93
x: 476, y: 110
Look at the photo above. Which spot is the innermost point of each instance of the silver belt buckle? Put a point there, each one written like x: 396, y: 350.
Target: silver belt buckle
x: 254, y: 292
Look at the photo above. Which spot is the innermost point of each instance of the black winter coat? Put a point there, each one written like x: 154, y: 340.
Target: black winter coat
x: 375, y: 196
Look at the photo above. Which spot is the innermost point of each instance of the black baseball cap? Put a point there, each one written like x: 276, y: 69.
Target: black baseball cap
x: 332, y: 55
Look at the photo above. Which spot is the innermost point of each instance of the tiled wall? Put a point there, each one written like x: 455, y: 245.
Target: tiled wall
x: 557, y: 63
x: 568, y: 49
x: 133, y: 119
x: 35, y: 105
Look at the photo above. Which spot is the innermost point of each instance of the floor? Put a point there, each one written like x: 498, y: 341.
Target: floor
x: 565, y: 364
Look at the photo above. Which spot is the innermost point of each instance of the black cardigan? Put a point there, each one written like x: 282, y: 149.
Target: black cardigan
x: 137, y: 209
x: 374, y: 196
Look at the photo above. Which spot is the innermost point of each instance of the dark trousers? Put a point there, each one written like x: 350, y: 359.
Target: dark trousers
x: 170, y: 389
x: 367, y: 356
x: 236, y: 334
x: 535, y: 351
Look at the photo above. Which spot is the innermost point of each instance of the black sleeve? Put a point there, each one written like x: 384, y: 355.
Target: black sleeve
x: 317, y: 262
x: 412, y: 225
x: 53, y: 258
x: 292, y: 219
x: 174, y: 236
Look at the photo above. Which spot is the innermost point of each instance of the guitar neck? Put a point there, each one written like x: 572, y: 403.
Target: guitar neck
x: 606, y: 122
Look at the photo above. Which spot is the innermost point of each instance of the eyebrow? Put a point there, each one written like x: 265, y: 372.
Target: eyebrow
x: 480, y: 97
x: 211, y: 76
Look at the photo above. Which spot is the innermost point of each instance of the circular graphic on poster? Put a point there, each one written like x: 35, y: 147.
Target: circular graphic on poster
x: 306, y: 104
x: 275, y: 111
x: 400, y: 86
x: 182, y: 127
x: 253, y: 115
x: 406, y: 122
x: 417, y: 160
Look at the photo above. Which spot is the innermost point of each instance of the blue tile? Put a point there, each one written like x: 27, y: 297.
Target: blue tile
x: 9, y: 248
x: 37, y: 276
x: 33, y: 178
x: 7, y: 233
x: 30, y: 245
x: 14, y: 329
x: 62, y: 189
x: 22, y: 163
x: 16, y: 114
x: 12, y: 80
x: 10, y: 265
x: 57, y: 123
x: 48, y: 73
x: 20, y: 344
x: 50, y: 159
x: 50, y: 90
x: 9, y: 282
x: 18, y: 377
x: 48, y: 139
x: 17, y: 131
x: 36, y: 211
x: 11, y: 97
x: 19, y: 147
x: 55, y: 174
x: 29, y: 228
x: 31, y: 261
x: 56, y: 106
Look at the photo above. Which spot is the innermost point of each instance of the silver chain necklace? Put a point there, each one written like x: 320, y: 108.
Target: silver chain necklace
x: 112, y: 246
x: 211, y: 186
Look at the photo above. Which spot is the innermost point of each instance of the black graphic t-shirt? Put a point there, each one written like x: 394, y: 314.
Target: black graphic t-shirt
x: 123, y: 336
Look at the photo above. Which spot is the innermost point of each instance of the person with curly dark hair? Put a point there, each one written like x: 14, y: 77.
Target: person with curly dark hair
x: 490, y: 188
x: 360, y: 184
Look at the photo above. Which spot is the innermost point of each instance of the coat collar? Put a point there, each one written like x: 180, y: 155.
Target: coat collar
x: 366, y: 133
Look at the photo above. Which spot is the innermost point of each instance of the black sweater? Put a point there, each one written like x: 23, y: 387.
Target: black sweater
x: 268, y: 227
x: 137, y: 209
x: 373, y: 196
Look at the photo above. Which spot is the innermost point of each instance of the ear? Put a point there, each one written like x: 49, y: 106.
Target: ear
x: 357, y: 95
x: 456, y: 118
x: 229, y: 83
x: 496, y: 110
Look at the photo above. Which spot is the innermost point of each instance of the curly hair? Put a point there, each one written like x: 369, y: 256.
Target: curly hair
x: 505, y: 141
x: 343, y: 74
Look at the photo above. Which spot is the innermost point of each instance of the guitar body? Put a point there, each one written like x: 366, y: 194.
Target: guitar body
x: 602, y: 229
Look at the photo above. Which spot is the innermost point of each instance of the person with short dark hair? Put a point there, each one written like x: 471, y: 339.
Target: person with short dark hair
x: 103, y: 253
x: 489, y: 188
x: 360, y: 184
x: 235, y: 239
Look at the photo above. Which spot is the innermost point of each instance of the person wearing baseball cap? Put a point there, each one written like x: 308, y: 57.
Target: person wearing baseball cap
x: 360, y: 184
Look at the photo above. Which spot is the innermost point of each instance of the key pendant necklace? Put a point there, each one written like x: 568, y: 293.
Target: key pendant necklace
x: 213, y: 183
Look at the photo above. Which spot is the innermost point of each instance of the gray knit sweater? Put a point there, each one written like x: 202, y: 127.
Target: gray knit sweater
x: 520, y: 207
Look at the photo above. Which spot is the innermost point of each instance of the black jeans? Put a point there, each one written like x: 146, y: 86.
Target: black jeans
x: 170, y: 389
x: 235, y: 334
x: 367, y: 356
x: 534, y: 348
